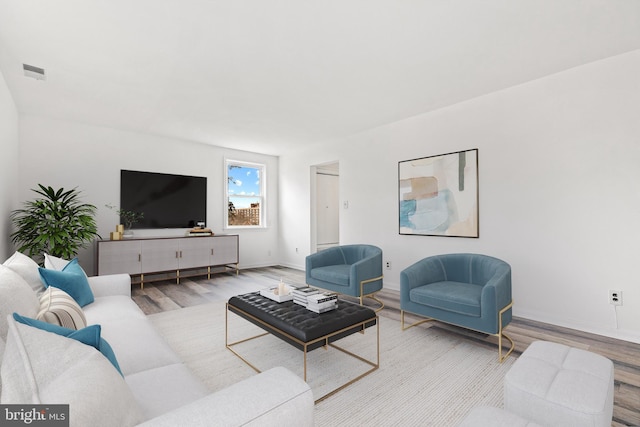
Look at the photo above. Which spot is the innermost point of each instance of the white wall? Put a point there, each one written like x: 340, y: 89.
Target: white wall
x: 559, y: 165
x: 8, y: 165
x: 63, y: 154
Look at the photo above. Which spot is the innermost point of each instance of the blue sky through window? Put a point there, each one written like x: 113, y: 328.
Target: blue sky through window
x: 244, y: 181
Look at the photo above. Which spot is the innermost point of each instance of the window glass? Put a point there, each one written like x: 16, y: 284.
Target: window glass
x: 245, y: 194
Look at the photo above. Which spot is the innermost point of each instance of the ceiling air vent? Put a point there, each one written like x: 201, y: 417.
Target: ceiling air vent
x: 34, y: 72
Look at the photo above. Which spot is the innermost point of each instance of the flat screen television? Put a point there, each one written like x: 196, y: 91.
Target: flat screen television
x: 166, y: 200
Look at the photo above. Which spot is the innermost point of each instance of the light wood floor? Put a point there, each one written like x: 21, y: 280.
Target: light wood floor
x: 164, y: 296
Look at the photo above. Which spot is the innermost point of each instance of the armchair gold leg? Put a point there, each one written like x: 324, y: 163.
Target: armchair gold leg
x: 419, y: 322
x: 511, y: 348
x: 500, y: 333
x: 371, y: 295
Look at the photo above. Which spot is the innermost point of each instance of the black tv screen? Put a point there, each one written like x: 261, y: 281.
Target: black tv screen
x: 167, y: 201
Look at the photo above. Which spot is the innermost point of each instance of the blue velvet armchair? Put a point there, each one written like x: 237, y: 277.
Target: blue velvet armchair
x: 354, y: 270
x: 468, y: 290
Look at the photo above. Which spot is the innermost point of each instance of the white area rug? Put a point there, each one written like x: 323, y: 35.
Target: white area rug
x: 427, y: 376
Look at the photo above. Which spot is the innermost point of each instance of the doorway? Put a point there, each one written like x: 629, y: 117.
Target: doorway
x: 325, y: 212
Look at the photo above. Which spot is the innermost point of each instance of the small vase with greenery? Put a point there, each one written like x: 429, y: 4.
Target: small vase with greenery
x: 58, y: 223
x: 128, y: 217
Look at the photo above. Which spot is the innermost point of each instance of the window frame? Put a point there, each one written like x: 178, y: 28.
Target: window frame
x: 262, y: 168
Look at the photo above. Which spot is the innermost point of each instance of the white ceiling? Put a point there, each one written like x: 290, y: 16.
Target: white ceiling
x: 273, y: 75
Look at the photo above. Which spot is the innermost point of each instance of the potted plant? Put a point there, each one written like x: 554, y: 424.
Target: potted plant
x: 128, y: 217
x: 58, y: 223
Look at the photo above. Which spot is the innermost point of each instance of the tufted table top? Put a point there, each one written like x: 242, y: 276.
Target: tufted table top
x: 297, y: 325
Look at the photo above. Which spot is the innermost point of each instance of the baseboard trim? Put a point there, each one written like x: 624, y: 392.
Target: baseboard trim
x: 536, y: 316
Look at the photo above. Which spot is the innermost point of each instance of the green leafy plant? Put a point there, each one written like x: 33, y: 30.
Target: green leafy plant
x: 58, y: 223
x: 128, y: 217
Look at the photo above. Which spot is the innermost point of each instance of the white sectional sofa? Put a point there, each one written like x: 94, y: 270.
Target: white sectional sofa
x: 154, y: 387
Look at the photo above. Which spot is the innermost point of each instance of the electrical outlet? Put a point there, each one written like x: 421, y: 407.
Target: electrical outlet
x: 388, y: 265
x: 615, y: 297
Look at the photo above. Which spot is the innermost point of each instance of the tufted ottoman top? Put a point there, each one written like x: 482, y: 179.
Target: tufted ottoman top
x: 554, y: 384
x: 299, y: 326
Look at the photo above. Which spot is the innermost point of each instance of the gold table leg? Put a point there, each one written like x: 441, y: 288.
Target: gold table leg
x: 374, y: 365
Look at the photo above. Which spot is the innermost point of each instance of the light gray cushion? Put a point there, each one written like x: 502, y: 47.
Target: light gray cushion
x: 138, y: 345
x: 27, y: 269
x: 59, y: 308
x: 276, y: 397
x: 110, y: 285
x: 15, y: 296
x: 40, y: 367
x: 115, y: 307
x: 164, y: 389
x: 557, y: 385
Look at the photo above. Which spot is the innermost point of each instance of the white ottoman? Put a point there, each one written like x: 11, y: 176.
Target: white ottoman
x: 556, y: 385
x: 487, y: 416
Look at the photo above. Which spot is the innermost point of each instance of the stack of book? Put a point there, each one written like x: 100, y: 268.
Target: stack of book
x: 300, y: 295
x: 200, y: 232
x: 322, y: 302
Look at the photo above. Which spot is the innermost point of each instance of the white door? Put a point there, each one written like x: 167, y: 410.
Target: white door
x: 327, y: 210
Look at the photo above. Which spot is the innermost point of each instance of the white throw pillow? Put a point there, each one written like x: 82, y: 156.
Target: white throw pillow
x: 15, y: 296
x: 40, y: 367
x: 59, y: 308
x: 27, y: 269
x: 54, y: 263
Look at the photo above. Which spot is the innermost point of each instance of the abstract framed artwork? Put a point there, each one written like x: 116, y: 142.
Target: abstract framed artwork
x: 438, y: 195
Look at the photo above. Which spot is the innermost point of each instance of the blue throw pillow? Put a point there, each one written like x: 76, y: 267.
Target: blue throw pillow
x: 89, y: 336
x: 71, y: 279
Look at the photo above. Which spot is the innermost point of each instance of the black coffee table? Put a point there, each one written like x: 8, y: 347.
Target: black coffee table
x: 303, y: 328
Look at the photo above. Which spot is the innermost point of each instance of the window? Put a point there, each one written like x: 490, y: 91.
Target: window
x: 245, y: 194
